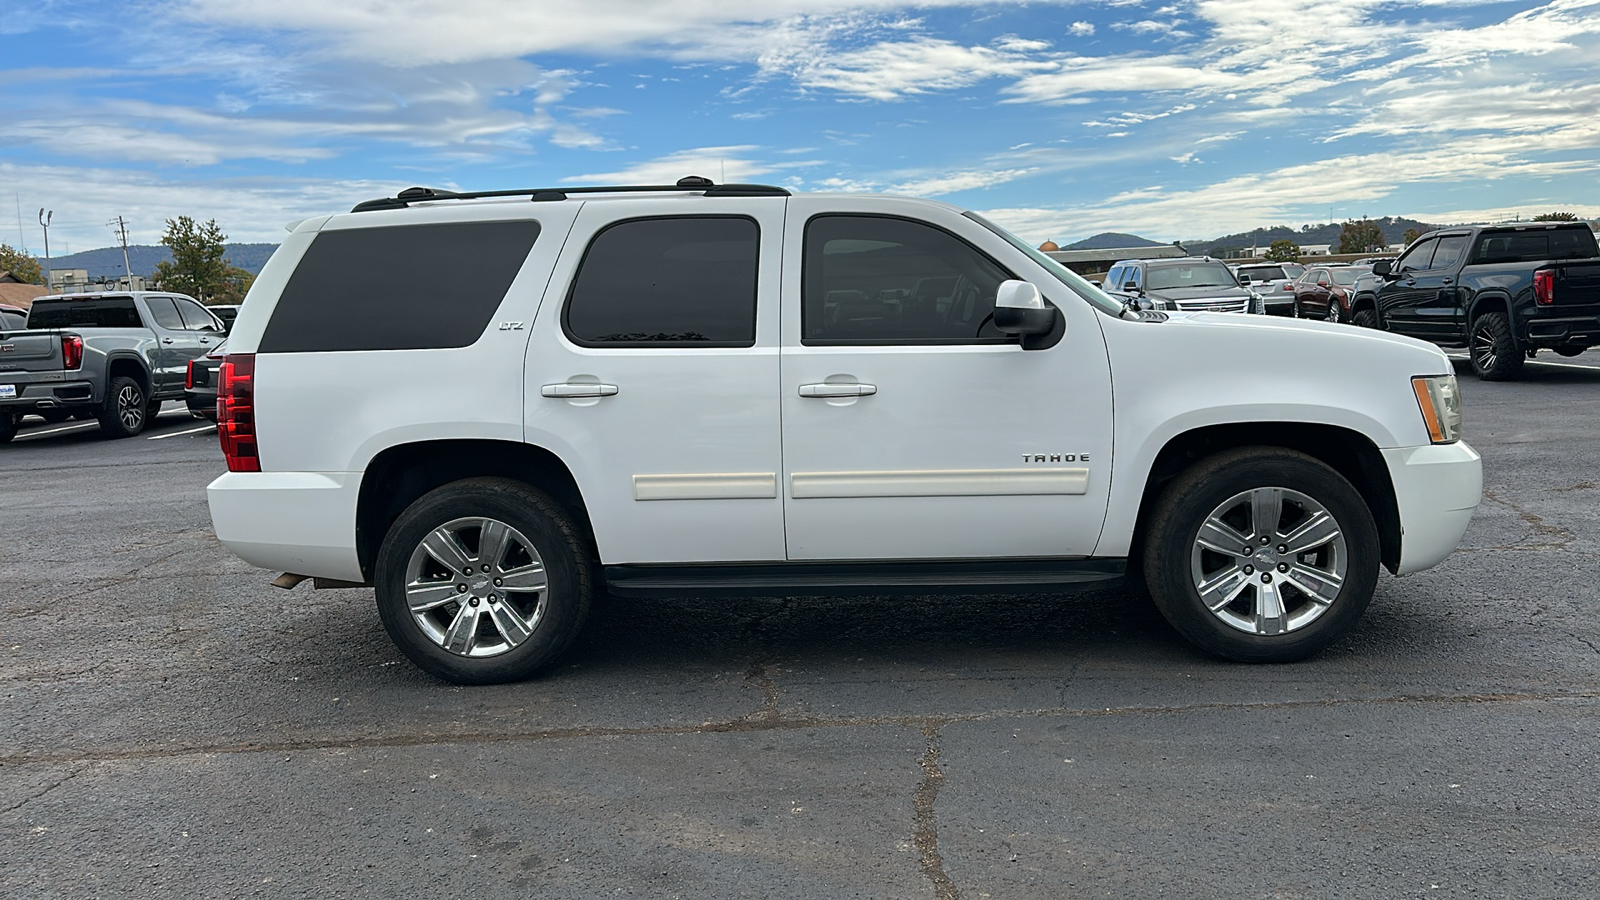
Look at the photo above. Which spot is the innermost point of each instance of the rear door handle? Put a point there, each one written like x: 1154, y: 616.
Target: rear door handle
x: 569, y: 390
x: 827, y: 389
x: 166, y: 340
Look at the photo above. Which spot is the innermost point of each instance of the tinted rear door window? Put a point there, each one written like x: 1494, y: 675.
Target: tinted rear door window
x: 1449, y: 251
x: 405, y: 287
x: 681, y: 281
x: 165, y: 314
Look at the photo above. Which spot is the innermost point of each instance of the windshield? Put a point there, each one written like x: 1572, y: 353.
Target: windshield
x: 1193, y: 275
x: 1077, y: 283
x: 1346, y: 276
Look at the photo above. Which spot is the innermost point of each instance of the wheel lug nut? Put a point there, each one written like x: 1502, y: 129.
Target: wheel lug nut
x: 1249, y: 570
x: 467, y: 571
x: 493, y: 597
x: 1249, y: 551
x: 1265, y: 540
x: 1283, y: 567
x: 498, y: 582
x: 474, y: 600
x: 1283, y: 548
x: 461, y: 589
x: 1266, y: 578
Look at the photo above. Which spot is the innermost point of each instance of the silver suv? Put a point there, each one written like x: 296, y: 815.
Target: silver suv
x: 1274, y: 282
x: 1189, y: 284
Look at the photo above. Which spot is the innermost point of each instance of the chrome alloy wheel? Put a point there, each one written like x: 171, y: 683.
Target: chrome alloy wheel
x: 131, y: 407
x: 476, y: 587
x: 1269, y: 561
x: 1484, y: 354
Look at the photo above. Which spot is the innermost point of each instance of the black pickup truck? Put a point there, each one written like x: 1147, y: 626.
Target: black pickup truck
x: 1502, y: 291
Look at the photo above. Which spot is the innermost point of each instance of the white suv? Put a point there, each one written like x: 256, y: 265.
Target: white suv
x: 488, y: 409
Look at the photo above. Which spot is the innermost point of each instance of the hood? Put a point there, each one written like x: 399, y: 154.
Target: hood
x: 1199, y: 293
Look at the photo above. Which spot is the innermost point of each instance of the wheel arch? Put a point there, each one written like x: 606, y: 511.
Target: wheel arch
x: 1348, y: 452
x: 399, y: 475
x: 131, y: 365
x: 1486, y: 303
x: 1365, y: 301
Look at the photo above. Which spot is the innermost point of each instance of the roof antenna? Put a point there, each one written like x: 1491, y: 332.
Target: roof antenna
x: 694, y: 181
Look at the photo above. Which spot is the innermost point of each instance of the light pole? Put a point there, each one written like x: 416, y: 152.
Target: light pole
x: 44, y: 220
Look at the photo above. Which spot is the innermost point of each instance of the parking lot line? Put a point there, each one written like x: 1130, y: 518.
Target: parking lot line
x: 1537, y: 362
x: 159, y: 437
x: 23, y: 437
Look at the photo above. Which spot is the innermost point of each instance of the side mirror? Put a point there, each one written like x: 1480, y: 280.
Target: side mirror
x: 1020, y: 309
x: 1244, y: 280
x: 1382, y: 268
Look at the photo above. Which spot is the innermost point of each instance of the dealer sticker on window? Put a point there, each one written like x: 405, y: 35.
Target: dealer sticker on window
x: 7, y: 391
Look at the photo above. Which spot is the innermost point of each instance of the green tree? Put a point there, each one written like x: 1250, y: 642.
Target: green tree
x: 197, y: 266
x: 21, y: 265
x: 1410, y: 237
x: 234, y: 287
x: 1556, y: 217
x: 1283, y: 250
x: 1362, y: 236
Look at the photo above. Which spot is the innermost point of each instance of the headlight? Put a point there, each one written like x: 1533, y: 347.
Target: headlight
x: 1440, y: 401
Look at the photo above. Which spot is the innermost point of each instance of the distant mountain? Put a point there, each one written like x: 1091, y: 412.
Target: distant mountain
x: 1112, y: 240
x: 1394, y: 229
x: 107, y: 261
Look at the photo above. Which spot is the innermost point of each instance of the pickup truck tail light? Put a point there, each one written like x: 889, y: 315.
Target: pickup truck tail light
x: 1544, y: 287
x: 71, y: 351
x: 236, y: 414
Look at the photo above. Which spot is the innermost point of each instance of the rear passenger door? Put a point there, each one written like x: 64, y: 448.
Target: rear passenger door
x: 653, y: 370
x: 175, y: 346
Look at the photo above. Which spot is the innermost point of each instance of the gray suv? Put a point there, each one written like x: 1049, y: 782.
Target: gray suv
x: 1189, y: 284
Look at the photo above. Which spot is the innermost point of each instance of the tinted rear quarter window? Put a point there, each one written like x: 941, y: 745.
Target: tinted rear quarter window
x: 101, y: 312
x: 688, y: 280
x: 402, y: 287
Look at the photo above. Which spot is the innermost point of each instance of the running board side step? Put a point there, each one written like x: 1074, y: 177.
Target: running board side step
x: 869, y: 577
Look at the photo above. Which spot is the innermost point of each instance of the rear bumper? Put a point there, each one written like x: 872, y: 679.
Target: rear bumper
x: 1558, y: 331
x: 1437, y: 488
x: 34, y: 395
x: 301, y: 522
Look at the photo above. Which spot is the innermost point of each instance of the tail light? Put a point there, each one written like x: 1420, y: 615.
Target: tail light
x: 1544, y: 287
x: 71, y: 351
x: 236, y: 414
x: 1287, y: 286
x: 188, y: 376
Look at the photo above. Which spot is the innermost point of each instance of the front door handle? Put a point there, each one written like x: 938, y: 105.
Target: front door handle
x: 828, y: 389
x: 166, y: 340
x: 569, y: 390
x: 1445, y: 280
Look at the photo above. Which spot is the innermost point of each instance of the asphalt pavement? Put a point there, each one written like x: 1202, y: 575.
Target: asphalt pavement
x: 171, y: 725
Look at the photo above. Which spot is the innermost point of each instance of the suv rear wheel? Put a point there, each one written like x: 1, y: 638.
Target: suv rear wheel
x: 483, y: 581
x: 1261, y: 555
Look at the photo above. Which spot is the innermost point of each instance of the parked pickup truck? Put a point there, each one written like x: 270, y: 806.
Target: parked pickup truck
x: 1502, y: 291
x: 730, y: 390
x: 114, y: 357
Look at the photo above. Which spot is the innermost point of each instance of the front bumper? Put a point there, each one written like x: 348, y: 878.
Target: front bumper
x: 300, y: 522
x: 1437, y: 488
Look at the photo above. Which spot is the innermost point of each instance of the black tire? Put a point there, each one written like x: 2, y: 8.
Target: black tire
x: 1174, y: 560
x: 552, y: 615
x: 1364, y: 318
x: 1493, y: 350
x: 9, y: 423
x: 126, y: 411
x: 55, y: 416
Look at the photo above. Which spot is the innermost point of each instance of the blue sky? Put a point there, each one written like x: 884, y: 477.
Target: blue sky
x: 1058, y: 119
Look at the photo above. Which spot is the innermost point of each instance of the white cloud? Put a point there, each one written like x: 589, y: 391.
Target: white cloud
x: 959, y: 181
x: 720, y: 164
x: 888, y: 71
x: 1081, y: 29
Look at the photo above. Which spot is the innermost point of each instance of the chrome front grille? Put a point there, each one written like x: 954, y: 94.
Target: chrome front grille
x: 1214, y: 304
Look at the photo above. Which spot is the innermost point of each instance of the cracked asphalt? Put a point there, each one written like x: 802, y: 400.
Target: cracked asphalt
x: 170, y: 725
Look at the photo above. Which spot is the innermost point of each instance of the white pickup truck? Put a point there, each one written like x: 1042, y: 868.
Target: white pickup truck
x: 726, y: 389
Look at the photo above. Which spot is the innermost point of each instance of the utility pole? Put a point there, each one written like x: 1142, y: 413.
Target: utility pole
x: 122, y: 234
x: 44, y: 220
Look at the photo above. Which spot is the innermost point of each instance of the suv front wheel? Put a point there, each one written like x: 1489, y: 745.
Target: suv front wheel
x: 483, y: 581
x: 1261, y: 554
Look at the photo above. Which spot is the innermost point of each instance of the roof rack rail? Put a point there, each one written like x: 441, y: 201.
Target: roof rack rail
x: 540, y: 195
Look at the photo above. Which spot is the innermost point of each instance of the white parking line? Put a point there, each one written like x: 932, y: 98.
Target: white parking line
x: 1538, y: 362
x: 162, y: 437
x: 34, y: 434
